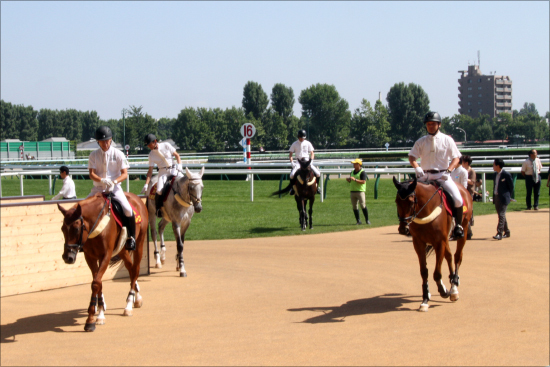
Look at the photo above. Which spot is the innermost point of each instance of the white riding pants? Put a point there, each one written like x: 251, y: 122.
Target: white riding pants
x: 449, y: 185
x: 118, y: 193
x: 296, y: 167
x: 163, y: 176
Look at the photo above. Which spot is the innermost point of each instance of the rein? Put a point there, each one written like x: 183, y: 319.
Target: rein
x: 83, y: 228
x: 411, y: 218
x: 180, y: 200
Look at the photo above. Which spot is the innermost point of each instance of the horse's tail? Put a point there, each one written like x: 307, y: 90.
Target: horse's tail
x: 283, y: 191
x: 114, y: 261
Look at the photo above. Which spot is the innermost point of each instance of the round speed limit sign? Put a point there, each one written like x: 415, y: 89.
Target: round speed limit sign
x: 248, y: 131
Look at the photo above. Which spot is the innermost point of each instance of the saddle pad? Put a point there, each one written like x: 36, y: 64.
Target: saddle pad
x: 117, y: 212
x: 444, y: 199
x: 153, y: 190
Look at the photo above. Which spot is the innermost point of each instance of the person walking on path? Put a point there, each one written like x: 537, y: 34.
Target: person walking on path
x: 68, y: 190
x: 471, y: 183
x: 502, y: 190
x: 530, y: 169
x: 358, y: 186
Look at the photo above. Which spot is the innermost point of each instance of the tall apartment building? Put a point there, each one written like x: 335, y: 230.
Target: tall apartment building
x: 483, y: 94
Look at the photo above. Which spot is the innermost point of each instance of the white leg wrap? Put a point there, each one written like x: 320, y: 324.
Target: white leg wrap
x: 443, y: 285
x: 454, y: 289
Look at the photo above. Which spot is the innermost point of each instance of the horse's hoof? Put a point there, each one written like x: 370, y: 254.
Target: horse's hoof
x: 89, y: 327
x: 162, y: 261
x: 424, y: 307
x: 127, y: 312
x: 454, y: 297
x: 183, y: 275
x: 138, y: 303
x: 100, y: 322
x: 158, y: 265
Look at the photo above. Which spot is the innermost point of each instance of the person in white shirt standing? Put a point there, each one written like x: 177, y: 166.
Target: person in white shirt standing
x: 302, y: 148
x: 530, y: 169
x: 161, y: 154
x: 435, y: 150
x: 68, y: 190
x: 460, y: 175
x: 108, y: 167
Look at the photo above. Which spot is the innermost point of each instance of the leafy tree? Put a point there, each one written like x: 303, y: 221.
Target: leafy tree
x: 164, y: 128
x: 47, y: 123
x: 254, y: 99
x: 407, y: 105
x: 282, y: 100
x: 28, y: 124
x: 370, y: 127
x: 189, y: 131
x: 275, y: 130
x: 234, y: 119
x: 501, y: 125
x: 327, y: 114
x: 528, y: 108
x: 9, y: 121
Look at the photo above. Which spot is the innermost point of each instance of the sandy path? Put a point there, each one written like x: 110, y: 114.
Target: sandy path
x: 346, y: 298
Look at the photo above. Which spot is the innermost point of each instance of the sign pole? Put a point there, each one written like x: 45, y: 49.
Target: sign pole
x: 251, y: 175
x: 248, y: 131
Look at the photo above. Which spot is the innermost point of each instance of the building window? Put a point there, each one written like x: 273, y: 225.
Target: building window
x: 480, y: 110
x: 480, y: 95
x: 479, y: 102
x: 470, y: 110
x: 469, y: 80
x: 469, y: 88
x: 479, y: 88
x: 469, y: 96
x: 469, y: 103
x: 479, y: 80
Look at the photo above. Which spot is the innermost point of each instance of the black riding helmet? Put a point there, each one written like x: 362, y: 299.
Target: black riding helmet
x: 432, y: 116
x: 103, y: 133
x: 149, y: 138
x: 302, y: 134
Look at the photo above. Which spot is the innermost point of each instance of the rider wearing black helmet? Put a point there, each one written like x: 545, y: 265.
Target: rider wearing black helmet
x: 302, y: 148
x: 108, y: 167
x: 161, y: 154
x: 435, y: 150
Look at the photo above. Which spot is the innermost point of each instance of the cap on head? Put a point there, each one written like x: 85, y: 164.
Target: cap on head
x: 302, y: 134
x: 432, y: 116
x: 103, y: 133
x: 149, y: 138
x: 358, y: 160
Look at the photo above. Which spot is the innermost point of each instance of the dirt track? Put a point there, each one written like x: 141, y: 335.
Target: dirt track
x: 334, y: 299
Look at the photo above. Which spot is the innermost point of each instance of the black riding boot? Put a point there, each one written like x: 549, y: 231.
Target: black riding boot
x: 318, y: 185
x: 357, y: 218
x: 366, y: 214
x: 158, y: 204
x: 459, y: 231
x: 292, y: 183
x: 131, y: 227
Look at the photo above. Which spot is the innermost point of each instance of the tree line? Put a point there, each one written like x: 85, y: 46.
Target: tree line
x: 325, y: 115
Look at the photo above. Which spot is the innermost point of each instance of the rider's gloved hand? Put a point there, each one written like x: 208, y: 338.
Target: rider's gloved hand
x: 108, y: 183
x: 419, y: 172
x: 180, y: 167
x: 446, y: 175
x: 144, y: 190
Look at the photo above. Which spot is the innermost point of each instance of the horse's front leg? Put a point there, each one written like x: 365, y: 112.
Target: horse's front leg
x: 134, y: 299
x: 152, y: 225
x: 455, y: 279
x: 312, y: 200
x: 420, y: 248
x: 162, y: 256
x: 179, y: 232
x: 441, y: 251
x: 303, y: 209
x: 97, y: 272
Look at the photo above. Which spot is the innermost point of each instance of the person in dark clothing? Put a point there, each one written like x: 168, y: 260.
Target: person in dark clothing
x: 502, y: 190
x: 358, y: 186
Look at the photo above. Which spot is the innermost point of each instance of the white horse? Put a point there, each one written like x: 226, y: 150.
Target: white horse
x: 182, y: 202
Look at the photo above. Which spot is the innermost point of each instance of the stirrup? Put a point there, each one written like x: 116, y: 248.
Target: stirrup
x: 458, y: 232
x: 130, y: 244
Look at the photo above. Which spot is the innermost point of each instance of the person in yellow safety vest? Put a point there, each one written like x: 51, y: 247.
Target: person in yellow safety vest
x: 358, y: 187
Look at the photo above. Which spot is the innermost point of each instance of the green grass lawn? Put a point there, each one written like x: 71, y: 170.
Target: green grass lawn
x: 229, y: 213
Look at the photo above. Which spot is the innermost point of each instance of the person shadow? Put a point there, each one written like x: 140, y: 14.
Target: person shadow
x: 41, y: 323
x: 390, y: 302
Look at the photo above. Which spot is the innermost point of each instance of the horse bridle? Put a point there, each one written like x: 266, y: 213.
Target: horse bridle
x: 410, y: 218
x: 77, y: 247
x: 193, y: 200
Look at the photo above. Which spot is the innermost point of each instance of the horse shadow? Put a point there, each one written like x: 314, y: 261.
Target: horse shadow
x: 41, y: 324
x: 390, y: 302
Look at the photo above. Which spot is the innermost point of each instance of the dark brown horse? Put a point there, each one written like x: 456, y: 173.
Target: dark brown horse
x: 421, y: 207
x: 89, y: 227
x: 305, y: 190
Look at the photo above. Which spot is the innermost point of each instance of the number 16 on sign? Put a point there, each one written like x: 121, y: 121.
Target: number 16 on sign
x: 248, y: 131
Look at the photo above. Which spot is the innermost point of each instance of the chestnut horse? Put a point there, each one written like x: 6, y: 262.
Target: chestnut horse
x: 421, y: 208
x: 89, y: 227
x: 305, y: 190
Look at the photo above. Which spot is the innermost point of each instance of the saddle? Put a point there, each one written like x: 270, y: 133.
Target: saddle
x: 116, y: 209
x: 165, y: 190
x: 446, y: 197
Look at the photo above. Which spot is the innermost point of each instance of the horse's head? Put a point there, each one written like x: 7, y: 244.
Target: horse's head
x: 191, y: 187
x: 304, y: 164
x: 405, y: 200
x: 72, y: 228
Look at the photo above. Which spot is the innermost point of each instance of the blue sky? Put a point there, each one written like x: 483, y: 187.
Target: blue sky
x: 166, y: 56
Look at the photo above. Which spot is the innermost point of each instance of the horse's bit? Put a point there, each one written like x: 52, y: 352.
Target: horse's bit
x: 193, y: 200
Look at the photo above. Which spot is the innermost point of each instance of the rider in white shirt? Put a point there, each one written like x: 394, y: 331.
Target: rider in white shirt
x: 435, y: 150
x: 108, y: 167
x: 161, y: 154
x: 68, y: 189
x: 302, y: 148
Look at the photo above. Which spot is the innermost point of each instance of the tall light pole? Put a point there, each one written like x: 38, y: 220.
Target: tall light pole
x: 124, y: 112
x: 463, y: 132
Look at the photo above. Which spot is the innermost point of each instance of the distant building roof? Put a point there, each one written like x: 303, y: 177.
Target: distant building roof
x: 55, y: 139
x: 171, y: 142
x: 12, y: 141
x: 93, y: 145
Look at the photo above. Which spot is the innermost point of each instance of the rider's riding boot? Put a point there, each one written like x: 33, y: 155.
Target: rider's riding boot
x: 131, y: 226
x: 357, y: 218
x: 459, y: 231
x: 318, y: 185
x: 158, y: 204
x: 366, y: 214
x: 292, y: 183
